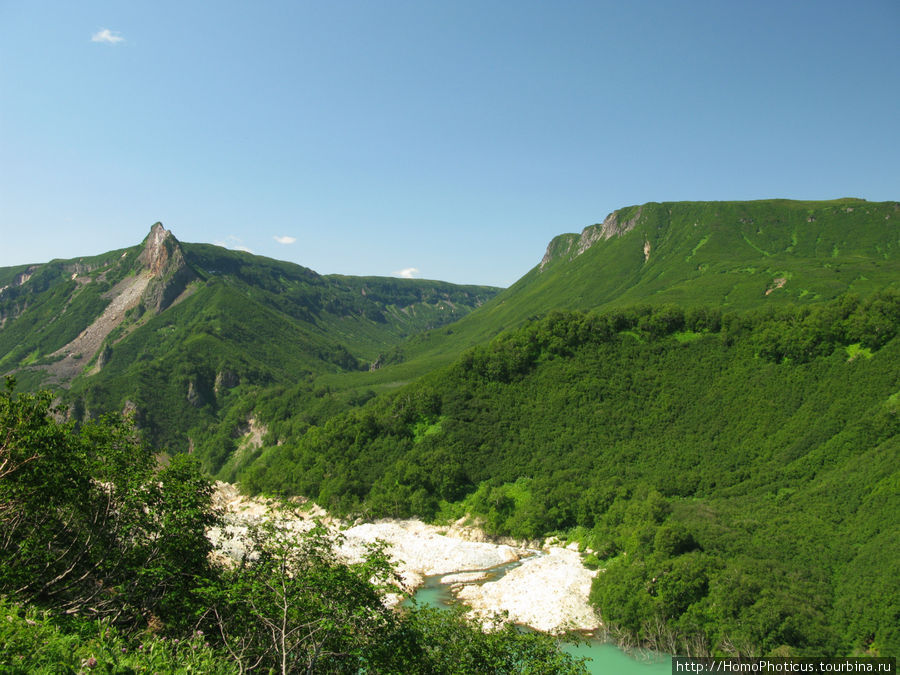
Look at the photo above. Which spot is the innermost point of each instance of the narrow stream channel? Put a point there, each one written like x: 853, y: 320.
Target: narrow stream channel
x: 604, y: 657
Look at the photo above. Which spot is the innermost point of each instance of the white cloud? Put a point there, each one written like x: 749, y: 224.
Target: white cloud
x: 107, y: 36
x: 407, y: 273
x: 232, y: 242
x: 285, y: 239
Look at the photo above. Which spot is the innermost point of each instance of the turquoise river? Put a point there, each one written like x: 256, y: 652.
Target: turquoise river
x: 604, y: 657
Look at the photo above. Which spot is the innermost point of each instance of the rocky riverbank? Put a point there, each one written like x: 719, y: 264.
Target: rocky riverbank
x: 548, y: 591
x: 422, y: 550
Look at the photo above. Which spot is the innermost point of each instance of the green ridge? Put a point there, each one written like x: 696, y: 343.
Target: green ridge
x: 702, y: 394
x: 242, y: 324
x: 698, y: 257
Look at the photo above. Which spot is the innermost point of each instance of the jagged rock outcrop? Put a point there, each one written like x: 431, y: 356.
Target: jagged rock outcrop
x: 559, y: 247
x: 571, y: 245
x: 163, y: 258
x: 225, y: 379
x: 194, y: 396
x: 24, y: 276
x: 17, y: 281
x: 162, y: 274
x: 615, y: 226
x: 104, y: 357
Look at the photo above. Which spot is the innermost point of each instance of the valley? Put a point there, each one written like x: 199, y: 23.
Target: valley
x: 701, y: 397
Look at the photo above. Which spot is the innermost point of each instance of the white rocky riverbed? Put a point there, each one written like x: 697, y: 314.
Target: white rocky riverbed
x: 547, y: 591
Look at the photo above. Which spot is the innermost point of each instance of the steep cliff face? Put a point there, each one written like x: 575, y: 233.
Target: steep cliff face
x: 571, y: 246
x: 156, y: 252
x: 559, y: 247
x: 170, y: 274
x: 11, y: 311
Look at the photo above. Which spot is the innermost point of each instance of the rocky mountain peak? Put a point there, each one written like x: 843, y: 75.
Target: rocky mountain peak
x: 163, y: 258
x: 157, y: 249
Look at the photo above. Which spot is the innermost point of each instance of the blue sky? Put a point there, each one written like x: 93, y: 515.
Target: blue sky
x: 452, y: 138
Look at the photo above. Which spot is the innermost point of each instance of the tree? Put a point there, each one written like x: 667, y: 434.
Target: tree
x: 89, y: 522
x: 291, y: 604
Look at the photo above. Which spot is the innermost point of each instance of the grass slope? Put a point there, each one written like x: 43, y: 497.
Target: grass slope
x: 43, y: 307
x: 735, y: 255
x: 243, y: 323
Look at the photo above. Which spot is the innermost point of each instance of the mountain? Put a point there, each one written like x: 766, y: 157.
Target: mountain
x: 703, y: 395
x: 731, y: 255
x: 169, y: 329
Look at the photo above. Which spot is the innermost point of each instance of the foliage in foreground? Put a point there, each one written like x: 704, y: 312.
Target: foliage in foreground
x: 90, y: 524
x: 34, y: 641
x: 105, y: 564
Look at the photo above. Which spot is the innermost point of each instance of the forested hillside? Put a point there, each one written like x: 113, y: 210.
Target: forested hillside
x: 239, y: 337
x: 177, y: 333
x: 735, y: 473
x: 733, y: 255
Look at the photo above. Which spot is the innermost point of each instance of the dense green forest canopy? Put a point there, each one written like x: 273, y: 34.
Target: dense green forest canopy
x: 696, y: 453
